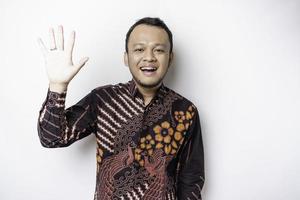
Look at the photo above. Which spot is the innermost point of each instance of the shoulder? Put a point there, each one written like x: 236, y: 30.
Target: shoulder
x: 181, y: 103
x: 110, y: 90
x: 185, y: 114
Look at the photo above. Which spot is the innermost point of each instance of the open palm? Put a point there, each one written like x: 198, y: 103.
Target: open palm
x: 58, y: 58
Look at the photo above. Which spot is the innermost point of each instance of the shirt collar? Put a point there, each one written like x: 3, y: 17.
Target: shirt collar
x: 160, y: 94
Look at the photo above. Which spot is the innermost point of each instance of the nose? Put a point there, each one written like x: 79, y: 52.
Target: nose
x: 149, y: 56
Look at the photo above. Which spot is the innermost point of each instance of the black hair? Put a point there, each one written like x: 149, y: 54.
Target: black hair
x: 152, y: 21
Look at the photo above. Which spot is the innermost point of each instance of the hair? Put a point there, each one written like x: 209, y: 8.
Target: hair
x: 152, y: 21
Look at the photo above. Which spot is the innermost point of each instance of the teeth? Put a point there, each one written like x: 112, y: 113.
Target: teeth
x: 148, y: 68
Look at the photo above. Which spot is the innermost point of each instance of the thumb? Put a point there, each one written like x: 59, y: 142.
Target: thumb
x: 81, y: 63
x: 42, y: 46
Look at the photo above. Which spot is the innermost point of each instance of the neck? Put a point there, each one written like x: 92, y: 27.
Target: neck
x: 148, y: 93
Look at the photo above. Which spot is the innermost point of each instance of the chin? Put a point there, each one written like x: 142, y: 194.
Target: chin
x: 150, y: 84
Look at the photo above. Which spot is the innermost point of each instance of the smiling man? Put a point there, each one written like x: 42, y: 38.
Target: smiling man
x: 149, y: 142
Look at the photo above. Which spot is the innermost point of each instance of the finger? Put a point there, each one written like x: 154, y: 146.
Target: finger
x: 60, y: 38
x: 70, y: 45
x: 81, y: 63
x: 42, y: 46
x: 52, y: 39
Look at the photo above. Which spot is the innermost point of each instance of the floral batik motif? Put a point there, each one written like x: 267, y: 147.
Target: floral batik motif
x: 143, y: 152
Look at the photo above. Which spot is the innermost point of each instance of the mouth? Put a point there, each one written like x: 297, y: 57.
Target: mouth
x: 148, y: 69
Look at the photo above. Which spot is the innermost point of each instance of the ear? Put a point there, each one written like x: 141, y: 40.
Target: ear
x: 126, y: 59
x: 171, y: 57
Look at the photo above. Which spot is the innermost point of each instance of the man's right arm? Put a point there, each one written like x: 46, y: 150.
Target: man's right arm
x: 60, y: 127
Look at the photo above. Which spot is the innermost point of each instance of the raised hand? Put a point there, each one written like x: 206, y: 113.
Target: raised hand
x: 58, y: 58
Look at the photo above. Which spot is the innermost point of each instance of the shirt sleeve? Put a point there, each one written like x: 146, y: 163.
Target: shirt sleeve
x: 190, y: 178
x: 60, y: 127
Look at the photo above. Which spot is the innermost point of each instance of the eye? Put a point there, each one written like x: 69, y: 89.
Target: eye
x: 160, y: 50
x: 138, y: 50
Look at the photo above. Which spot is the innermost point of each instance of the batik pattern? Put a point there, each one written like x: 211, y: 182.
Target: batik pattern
x: 143, y: 152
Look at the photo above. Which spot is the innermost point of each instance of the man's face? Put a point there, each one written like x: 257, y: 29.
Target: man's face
x: 148, y: 55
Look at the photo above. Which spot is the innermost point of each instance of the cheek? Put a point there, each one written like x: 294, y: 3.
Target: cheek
x: 164, y: 60
x: 134, y: 59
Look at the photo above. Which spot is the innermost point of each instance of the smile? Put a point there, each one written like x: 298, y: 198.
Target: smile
x: 148, y: 69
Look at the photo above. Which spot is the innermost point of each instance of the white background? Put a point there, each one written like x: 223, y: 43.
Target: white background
x: 237, y: 60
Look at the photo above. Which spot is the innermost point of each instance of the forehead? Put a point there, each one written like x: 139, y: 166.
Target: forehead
x: 148, y: 34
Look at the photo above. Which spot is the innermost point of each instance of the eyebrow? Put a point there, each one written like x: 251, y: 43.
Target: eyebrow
x: 157, y: 44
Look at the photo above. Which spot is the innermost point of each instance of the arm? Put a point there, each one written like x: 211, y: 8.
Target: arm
x: 60, y: 127
x: 191, y: 178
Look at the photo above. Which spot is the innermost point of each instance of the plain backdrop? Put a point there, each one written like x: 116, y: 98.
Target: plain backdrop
x: 237, y: 60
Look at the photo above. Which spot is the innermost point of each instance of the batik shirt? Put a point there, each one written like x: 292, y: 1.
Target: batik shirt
x: 148, y: 152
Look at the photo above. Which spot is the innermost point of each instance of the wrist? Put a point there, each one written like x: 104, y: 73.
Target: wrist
x: 58, y: 87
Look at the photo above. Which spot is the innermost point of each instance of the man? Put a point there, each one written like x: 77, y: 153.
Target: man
x: 149, y: 143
